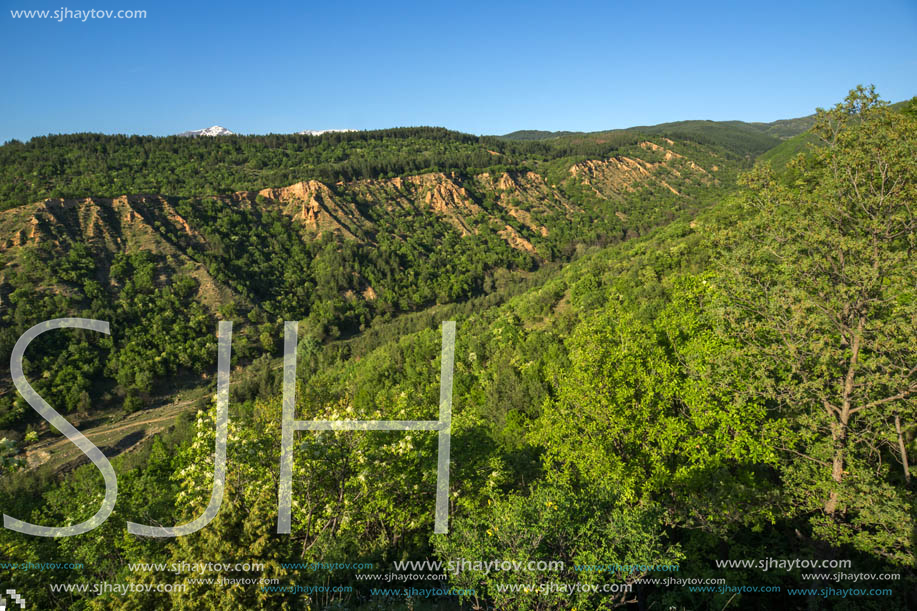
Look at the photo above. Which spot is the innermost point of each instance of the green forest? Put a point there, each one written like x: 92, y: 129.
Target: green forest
x: 79, y: 165
x: 705, y: 358
x: 260, y: 264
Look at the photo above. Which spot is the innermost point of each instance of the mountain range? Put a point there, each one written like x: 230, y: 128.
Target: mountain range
x: 215, y: 130
x: 782, y: 128
x: 219, y: 130
x: 360, y: 234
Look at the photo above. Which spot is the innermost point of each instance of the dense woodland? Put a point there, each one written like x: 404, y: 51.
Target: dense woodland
x: 81, y: 165
x: 267, y: 269
x: 739, y: 382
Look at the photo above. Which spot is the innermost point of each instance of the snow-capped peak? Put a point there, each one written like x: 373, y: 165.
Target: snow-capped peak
x: 319, y: 132
x: 215, y: 130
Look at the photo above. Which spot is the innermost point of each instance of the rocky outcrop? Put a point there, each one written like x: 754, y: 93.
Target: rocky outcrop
x: 623, y: 174
x: 315, y: 205
x: 524, y: 200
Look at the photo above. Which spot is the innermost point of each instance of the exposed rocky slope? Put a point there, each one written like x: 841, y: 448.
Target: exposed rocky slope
x: 524, y: 199
x: 523, y: 208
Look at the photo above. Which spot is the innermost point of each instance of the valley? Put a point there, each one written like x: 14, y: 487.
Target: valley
x: 676, y: 344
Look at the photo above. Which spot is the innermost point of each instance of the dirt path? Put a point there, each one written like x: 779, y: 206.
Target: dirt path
x: 62, y: 451
x: 41, y: 453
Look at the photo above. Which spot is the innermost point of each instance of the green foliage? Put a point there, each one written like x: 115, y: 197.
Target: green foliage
x: 739, y: 138
x: 553, y: 522
x: 80, y: 165
x: 739, y: 385
x: 157, y: 288
x: 821, y: 296
x: 156, y: 330
x: 781, y: 155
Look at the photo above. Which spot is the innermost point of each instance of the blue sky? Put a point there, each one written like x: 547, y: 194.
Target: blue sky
x: 487, y: 67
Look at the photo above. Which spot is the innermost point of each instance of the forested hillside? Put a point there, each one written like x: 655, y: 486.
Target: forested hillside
x: 722, y: 368
x: 336, y: 255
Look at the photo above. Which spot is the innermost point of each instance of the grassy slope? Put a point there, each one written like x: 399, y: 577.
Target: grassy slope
x: 781, y: 154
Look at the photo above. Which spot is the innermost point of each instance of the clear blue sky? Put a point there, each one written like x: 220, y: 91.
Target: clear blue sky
x: 480, y: 67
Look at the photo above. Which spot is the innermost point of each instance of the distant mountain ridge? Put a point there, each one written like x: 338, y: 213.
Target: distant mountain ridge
x: 99, y: 165
x: 214, y: 130
x: 319, y: 132
x: 536, y: 134
x: 782, y: 128
x: 219, y: 130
